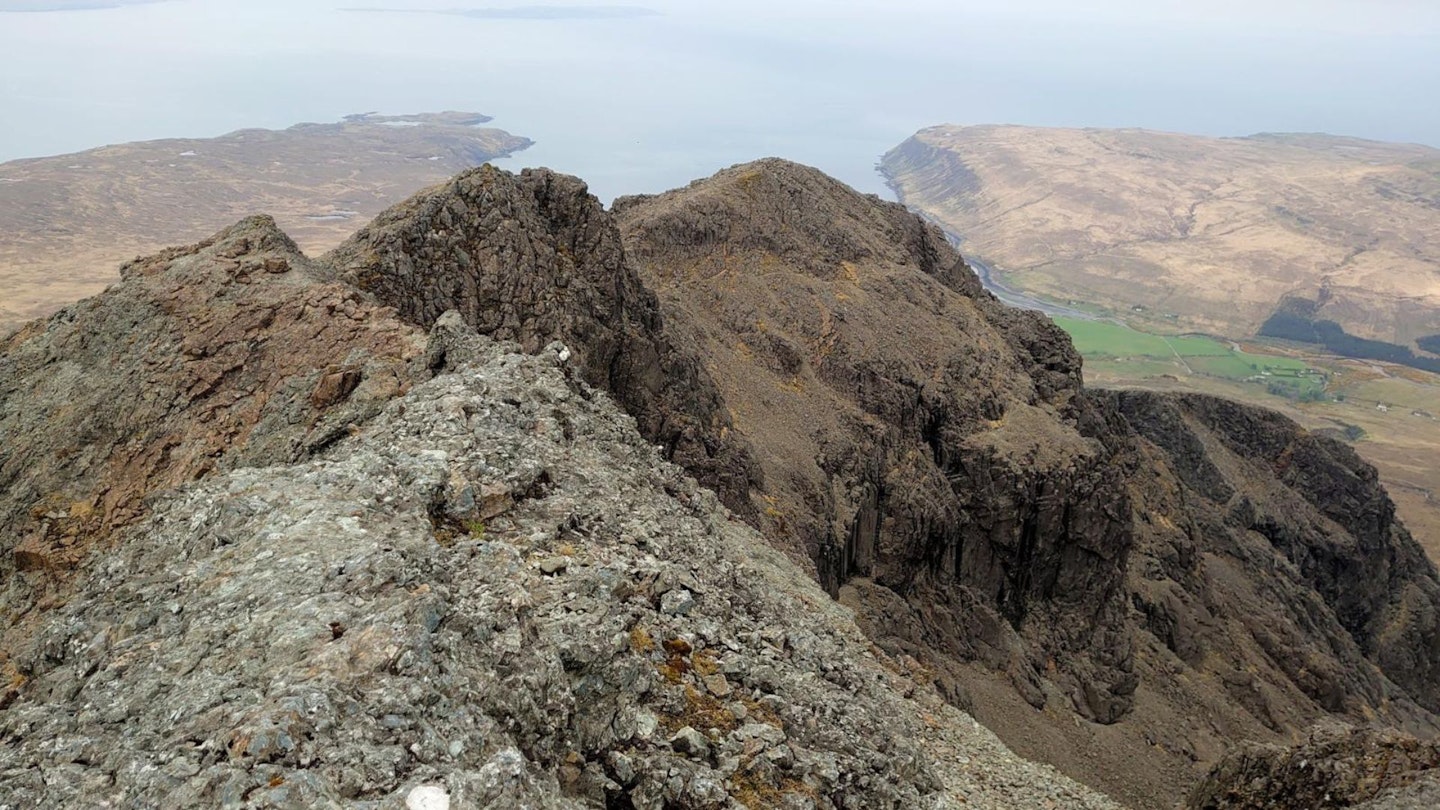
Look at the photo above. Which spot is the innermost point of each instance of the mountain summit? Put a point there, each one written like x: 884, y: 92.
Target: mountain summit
x: 1135, y: 559
x: 373, y: 528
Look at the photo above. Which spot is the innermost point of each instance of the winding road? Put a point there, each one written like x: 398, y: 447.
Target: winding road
x: 1016, y: 298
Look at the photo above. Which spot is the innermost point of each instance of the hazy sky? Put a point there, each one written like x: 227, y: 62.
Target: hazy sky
x: 641, y: 103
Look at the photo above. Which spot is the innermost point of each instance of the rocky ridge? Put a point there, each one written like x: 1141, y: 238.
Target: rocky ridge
x: 533, y: 258
x: 1122, y: 584
x: 1181, y: 572
x: 231, y: 352
x: 493, y: 591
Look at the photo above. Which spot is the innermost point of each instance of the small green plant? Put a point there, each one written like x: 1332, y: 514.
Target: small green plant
x: 449, y: 530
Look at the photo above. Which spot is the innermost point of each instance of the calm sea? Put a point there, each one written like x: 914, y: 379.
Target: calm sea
x: 644, y: 103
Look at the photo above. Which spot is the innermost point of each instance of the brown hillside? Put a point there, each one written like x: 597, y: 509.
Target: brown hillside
x: 66, y: 222
x: 1129, y: 566
x: 1207, y: 234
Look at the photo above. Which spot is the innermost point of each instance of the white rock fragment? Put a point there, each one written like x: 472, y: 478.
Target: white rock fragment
x: 645, y: 724
x: 428, y: 797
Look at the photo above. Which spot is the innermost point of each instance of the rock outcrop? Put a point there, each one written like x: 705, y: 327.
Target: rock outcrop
x: 493, y: 593
x: 533, y: 258
x: 1360, y: 768
x: 232, y: 352
x: 280, y: 532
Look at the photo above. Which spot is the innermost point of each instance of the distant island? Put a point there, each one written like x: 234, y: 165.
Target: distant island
x: 67, y: 222
x: 449, y: 118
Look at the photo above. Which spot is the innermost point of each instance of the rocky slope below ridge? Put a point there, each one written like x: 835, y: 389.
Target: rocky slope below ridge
x: 1364, y: 769
x: 231, y: 352
x: 1211, y: 639
x: 490, y: 587
x: 935, y: 452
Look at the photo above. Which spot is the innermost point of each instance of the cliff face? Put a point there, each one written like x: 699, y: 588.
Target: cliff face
x: 1186, y: 571
x: 1346, y: 604
x: 1123, y: 584
x: 919, y: 441
x: 534, y: 258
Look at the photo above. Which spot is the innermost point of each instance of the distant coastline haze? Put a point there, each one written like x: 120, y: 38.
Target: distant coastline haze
x: 642, y: 97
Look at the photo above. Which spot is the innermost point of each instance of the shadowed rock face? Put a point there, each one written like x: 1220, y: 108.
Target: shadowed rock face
x: 1343, y: 578
x: 534, y: 258
x: 933, y: 451
x: 919, y: 441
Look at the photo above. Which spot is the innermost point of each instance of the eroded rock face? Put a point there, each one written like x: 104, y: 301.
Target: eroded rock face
x: 1347, y: 605
x: 1361, y: 768
x: 919, y: 441
x: 232, y: 352
x: 534, y: 258
x: 346, y: 632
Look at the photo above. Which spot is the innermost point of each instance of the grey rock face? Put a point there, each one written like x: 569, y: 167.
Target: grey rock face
x: 321, y: 635
x: 1336, y: 767
x: 534, y: 258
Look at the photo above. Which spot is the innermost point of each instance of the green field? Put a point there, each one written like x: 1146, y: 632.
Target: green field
x: 1125, y: 352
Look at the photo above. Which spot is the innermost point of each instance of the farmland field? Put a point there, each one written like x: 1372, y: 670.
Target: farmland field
x: 1119, y: 350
